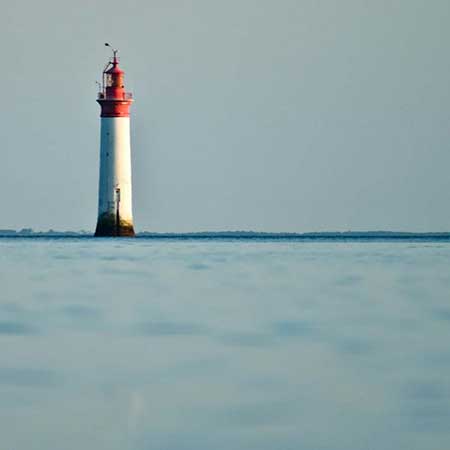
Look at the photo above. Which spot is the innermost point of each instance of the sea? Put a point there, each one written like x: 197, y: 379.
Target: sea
x: 224, y: 344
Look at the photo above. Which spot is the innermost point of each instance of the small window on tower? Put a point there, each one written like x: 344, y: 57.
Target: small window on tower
x: 108, y: 80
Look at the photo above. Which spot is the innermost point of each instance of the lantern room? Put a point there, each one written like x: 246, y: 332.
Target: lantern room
x: 113, y: 80
x: 113, y: 99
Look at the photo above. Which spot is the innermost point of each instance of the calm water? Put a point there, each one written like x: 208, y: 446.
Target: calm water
x: 224, y: 345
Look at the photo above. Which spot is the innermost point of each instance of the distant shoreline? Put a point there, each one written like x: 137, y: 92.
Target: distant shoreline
x: 243, y: 235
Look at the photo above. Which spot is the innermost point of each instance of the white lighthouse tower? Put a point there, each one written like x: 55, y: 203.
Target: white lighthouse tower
x: 115, y: 217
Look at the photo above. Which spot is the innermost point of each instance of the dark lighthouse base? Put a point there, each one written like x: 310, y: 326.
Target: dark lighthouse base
x: 109, y: 225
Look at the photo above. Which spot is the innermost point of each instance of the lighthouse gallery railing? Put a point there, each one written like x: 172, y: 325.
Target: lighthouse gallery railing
x: 125, y: 96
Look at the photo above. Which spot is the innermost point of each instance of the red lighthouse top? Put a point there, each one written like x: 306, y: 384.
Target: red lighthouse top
x: 113, y: 99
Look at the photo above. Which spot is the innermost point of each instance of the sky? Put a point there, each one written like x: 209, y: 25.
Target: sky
x: 263, y: 115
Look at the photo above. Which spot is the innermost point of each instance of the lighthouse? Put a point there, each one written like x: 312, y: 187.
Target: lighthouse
x: 115, y: 217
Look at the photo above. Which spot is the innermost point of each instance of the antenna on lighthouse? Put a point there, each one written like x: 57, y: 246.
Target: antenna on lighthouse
x: 115, y: 51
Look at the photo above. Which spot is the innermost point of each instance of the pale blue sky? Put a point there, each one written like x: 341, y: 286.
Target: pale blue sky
x: 265, y: 115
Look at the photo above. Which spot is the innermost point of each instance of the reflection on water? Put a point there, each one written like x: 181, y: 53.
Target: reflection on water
x: 199, y: 345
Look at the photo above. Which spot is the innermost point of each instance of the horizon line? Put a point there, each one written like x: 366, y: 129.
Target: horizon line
x: 29, y: 232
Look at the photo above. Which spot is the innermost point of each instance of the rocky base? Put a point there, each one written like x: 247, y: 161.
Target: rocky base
x: 107, y: 226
